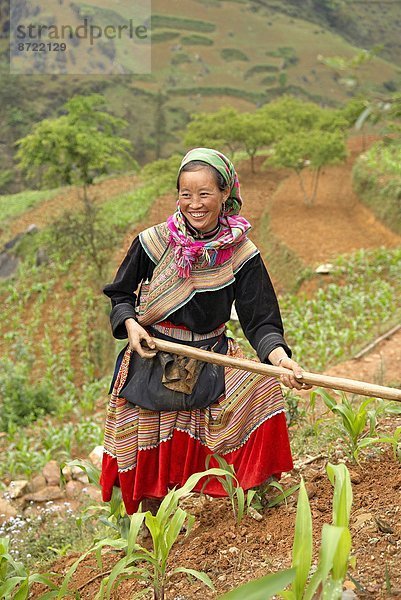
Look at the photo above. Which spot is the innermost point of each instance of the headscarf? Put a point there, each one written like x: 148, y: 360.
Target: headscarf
x: 233, y: 228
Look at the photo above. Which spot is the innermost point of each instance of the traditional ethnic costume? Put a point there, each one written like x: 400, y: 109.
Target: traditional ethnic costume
x: 187, y: 283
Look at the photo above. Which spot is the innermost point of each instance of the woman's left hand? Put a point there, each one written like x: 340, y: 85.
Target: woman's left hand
x: 294, y: 380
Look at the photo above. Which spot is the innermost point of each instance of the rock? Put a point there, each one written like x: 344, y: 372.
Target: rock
x: 11, y: 243
x: 355, y: 477
x: 79, y: 475
x: 50, y: 492
x: 8, y: 264
x: 42, y: 258
x: 17, y: 488
x: 51, y: 472
x: 324, y: 269
x: 32, y: 228
x: 67, y: 472
x: 37, y: 483
x: 254, y: 514
x: 73, y: 489
x: 6, y: 511
x: 96, y: 456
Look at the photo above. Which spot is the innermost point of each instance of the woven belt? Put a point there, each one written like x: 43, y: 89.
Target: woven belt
x: 182, y: 333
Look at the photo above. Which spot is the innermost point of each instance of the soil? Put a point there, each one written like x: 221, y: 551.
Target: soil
x: 232, y: 555
x: 338, y: 223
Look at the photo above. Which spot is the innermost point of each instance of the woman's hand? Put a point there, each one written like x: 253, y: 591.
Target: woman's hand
x: 295, y: 380
x: 136, y: 334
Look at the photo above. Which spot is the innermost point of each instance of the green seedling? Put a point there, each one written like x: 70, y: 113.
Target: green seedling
x: 354, y: 421
x: 15, y: 580
x: 151, y: 567
x: 329, y: 574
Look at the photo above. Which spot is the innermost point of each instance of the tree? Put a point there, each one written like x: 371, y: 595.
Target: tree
x: 77, y: 146
x: 309, y: 149
x: 218, y: 129
x: 73, y: 149
x: 255, y: 131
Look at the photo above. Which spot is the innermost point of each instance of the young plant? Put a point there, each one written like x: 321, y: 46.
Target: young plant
x: 328, y: 577
x: 394, y: 440
x: 232, y: 488
x: 15, y: 580
x: 148, y: 566
x: 354, y: 421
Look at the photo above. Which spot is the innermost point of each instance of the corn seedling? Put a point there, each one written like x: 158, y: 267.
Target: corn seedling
x: 330, y: 572
x: 354, y: 421
x: 232, y: 488
x: 394, y: 440
x: 15, y: 580
x: 148, y: 566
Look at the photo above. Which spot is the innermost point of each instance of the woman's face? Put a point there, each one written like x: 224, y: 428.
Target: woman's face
x: 200, y: 199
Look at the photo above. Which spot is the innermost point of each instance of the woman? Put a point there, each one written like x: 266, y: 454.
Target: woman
x: 166, y: 415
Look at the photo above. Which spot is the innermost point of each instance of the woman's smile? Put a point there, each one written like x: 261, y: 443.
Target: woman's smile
x: 200, y: 199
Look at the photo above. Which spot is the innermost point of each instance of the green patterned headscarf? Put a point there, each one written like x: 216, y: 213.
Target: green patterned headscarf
x: 224, y: 166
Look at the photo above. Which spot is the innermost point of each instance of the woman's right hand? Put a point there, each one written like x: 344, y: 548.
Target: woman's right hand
x: 136, y: 334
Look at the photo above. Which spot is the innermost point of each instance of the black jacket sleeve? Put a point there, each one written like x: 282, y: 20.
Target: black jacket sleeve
x: 135, y: 268
x: 258, y: 310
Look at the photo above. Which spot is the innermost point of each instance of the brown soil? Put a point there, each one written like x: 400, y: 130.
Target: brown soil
x: 336, y: 224
x: 232, y: 555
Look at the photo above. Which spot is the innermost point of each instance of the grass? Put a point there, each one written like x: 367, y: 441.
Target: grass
x: 14, y: 205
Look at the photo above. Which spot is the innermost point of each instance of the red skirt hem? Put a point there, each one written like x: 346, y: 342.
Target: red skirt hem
x: 265, y: 453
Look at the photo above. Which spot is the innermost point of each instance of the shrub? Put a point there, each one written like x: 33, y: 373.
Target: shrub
x: 22, y: 401
x: 230, y: 54
x: 196, y: 40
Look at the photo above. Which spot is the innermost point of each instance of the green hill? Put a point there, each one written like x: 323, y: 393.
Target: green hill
x: 205, y: 54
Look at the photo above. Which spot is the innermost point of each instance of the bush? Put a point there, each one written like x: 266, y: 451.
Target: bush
x: 21, y: 400
x: 196, y: 40
x: 233, y: 54
x: 166, y: 21
x: 164, y: 36
x: 180, y: 58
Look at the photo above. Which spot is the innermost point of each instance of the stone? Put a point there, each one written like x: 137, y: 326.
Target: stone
x: 73, y: 489
x: 96, y: 456
x: 79, y: 474
x: 50, y: 492
x: 17, y: 488
x: 254, y: 514
x: 324, y: 269
x: 67, y: 473
x: 8, y: 264
x: 37, y: 483
x: 51, y: 472
x: 6, y: 510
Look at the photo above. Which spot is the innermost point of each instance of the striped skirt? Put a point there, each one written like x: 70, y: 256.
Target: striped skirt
x: 146, y: 452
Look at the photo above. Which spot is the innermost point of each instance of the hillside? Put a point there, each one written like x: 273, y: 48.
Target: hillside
x: 205, y: 54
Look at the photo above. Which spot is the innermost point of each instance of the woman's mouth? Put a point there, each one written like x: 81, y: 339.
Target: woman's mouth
x: 198, y: 215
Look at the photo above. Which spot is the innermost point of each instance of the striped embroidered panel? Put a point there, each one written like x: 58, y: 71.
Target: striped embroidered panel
x: 250, y: 400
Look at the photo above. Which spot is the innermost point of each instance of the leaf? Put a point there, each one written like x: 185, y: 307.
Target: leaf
x: 302, y: 546
x: 332, y: 536
x: 283, y: 496
x: 174, y: 528
x: 241, y: 503
x: 263, y: 588
x: 198, y: 574
x: 342, y: 499
x: 135, y: 525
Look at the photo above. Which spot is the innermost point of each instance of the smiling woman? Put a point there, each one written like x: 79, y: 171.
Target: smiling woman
x: 167, y: 414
